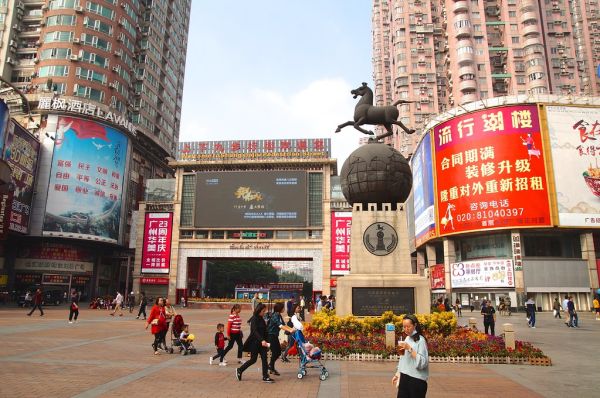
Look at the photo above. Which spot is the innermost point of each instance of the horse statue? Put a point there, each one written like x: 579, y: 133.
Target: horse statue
x: 366, y: 113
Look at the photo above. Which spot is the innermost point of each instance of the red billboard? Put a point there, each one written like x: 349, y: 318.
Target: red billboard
x: 340, y: 242
x: 437, y: 277
x: 156, y: 246
x: 490, y: 171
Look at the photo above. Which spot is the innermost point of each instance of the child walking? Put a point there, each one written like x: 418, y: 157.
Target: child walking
x: 220, y: 344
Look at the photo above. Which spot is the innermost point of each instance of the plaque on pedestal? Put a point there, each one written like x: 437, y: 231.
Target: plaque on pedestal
x: 374, y: 301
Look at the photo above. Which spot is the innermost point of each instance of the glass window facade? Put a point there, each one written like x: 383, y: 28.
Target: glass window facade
x: 315, y: 199
x: 564, y: 245
x: 188, y: 195
x: 479, y: 247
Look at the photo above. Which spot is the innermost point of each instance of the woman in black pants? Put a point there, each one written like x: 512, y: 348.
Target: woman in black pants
x: 74, y: 308
x: 273, y: 328
x: 256, y: 343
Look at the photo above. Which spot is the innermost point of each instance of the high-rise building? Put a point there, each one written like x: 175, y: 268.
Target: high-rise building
x: 103, y: 82
x: 443, y: 54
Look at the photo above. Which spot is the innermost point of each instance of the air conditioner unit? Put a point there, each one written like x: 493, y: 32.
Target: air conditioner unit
x: 74, y: 57
x: 38, y: 43
x: 136, y: 108
x: 138, y: 93
x: 116, y: 69
x: 112, y: 85
x: 122, y: 21
x: 21, y: 5
x: 10, y: 61
x: 118, y: 53
x: 76, y: 40
x: 45, y: 7
x: 79, y: 9
x: 36, y: 60
x: 123, y: 4
x: 12, y: 43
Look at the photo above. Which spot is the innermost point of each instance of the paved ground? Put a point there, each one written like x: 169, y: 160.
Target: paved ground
x: 102, y: 356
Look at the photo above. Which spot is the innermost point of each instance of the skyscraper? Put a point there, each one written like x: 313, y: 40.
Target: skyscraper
x: 445, y: 53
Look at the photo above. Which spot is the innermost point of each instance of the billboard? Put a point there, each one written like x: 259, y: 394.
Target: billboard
x: 574, y: 134
x: 21, y: 153
x: 423, y: 192
x: 341, y: 223
x: 156, y: 246
x: 251, y: 199
x: 3, y: 122
x: 490, y: 171
x: 437, y: 277
x: 482, y: 273
x: 86, y: 181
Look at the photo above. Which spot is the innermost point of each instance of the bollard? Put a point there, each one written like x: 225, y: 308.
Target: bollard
x: 472, y: 323
x: 390, y: 335
x: 509, y: 336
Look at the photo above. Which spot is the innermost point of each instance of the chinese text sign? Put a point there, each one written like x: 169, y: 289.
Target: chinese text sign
x: 341, y: 223
x: 482, y: 273
x: 156, y: 246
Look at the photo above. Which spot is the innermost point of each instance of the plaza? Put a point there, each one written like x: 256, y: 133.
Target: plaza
x: 104, y: 356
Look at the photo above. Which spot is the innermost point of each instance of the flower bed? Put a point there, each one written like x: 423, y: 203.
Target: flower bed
x: 352, y: 337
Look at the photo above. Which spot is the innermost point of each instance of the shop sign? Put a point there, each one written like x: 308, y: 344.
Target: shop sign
x: 341, y: 225
x: 78, y: 280
x: 30, y: 264
x: 159, y: 207
x: 33, y: 279
x: 333, y: 282
x: 490, y: 171
x: 154, y: 281
x: 437, y: 277
x: 5, y: 205
x: 156, y: 246
x: 482, y: 273
x: 516, y: 250
x: 56, y: 279
x: 249, y: 246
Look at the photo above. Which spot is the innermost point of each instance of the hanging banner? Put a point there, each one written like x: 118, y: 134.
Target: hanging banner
x: 423, y: 192
x: 482, y: 273
x: 490, y: 171
x: 156, y: 246
x: 341, y: 223
x: 437, y: 277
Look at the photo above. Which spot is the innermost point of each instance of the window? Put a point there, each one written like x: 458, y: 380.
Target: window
x: 95, y: 59
x: 92, y: 75
x: 49, y: 71
x: 536, y: 76
x: 58, y: 4
x: 88, y: 92
x: 488, y: 246
x: 188, y: 199
x: 97, y: 25
x: 515, y: 39
x: 57, y: 20
x: 95, y: 41
x: 100, y: 10
x: 565, y: 245
x: 58, y: 36
x: 55, y: 53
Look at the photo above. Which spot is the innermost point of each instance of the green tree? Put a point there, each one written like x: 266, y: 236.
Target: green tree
x: 222, y: 276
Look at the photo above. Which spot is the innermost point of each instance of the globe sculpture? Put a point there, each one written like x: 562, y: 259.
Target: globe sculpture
x: 376, y: 173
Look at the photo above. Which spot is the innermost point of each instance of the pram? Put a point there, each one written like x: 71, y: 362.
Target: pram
x: 306, y: 360
x: 185, y: 347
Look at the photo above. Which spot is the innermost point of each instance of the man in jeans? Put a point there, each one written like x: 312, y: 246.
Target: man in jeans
x: 573, y: 319
x: 530, y: 304
x: 489, y: 317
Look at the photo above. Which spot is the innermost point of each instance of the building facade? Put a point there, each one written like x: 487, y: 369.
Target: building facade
x: 103, y: 83
x: 443, y: 54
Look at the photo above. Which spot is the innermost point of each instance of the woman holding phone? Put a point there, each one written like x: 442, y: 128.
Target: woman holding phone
x: 413, y: 366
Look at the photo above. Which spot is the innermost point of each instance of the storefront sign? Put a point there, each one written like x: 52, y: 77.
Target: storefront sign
x: 482, y: 273
x: 574, y: 134
x: 21, y: 153
x: 255, y: 149
x: 33, y: 279
x: 341, y: 223
x: 154, y: 281
x: 490, y: 171
x: 156, y: 246
x: 437, y: 277
x: 55, y: 251
x: 27, y: 264
x: 166, y: 207
x: 77, y: 280
x: 249, y: 246
x: 516, y: 250
x: 56, y: 279
x: 56, y: 103
x: 424, y: 213
x: 5, y: 205
x: 333, y: 282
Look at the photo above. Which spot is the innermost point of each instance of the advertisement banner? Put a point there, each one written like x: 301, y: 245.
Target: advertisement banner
x: 154, y: 281
x: 21, y: 153
x: 36, y: 264
x: 56, y: 279
x: 86, y: 181
x: 5, y: 205
x: 490, y: 171
x: 250, y: 199
x: 423, y: 192
x: 3, y: 122
x: 516, y: 250
x: 437, y: 277
x: 156, y: 246
x: 341, y: 222
x: 55, y: 251
x: 482, y: 273
x: 574, y: 134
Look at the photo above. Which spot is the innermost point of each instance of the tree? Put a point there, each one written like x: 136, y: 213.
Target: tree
x: 222, y: 276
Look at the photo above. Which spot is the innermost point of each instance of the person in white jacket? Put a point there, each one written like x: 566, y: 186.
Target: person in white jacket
x: 118, y: 302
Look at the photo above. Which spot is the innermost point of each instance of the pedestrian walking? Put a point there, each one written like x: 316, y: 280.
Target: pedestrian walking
x: 169, y: 315
x: 302, y: 308
x: 257, y: 344
x: 74, y: 307
x: 220, y: 345
x: 489, y: 317
x: 458, y: 307
x: 530, y: 304
x: 143, y: 304
x: 573, y: 318
x: 158, y: 321
x: 294, y: 323
x: 274, y: 326
x: 131, y: 302
x: 565, y: 307
x: 556, y: 307
x: 254, y: 301
x: 28, y: 299
x: 413, y: 367
x: 118, y: 302
x: 289, y: 306
x: 37, y: 302
x: 234, y: 331
x: 597, y: 307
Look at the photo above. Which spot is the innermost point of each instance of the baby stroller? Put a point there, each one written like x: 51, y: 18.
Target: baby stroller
x: 185, y: 347
x: 306, y: 359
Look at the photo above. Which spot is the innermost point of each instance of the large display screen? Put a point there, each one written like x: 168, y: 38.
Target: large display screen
x: 490, y: 171
x: 574, y: 133
x: 86, y: 181
x: 423, y: 192
x: 251, y: 199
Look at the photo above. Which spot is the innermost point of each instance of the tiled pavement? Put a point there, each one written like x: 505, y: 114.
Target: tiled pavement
x: 102, y: 356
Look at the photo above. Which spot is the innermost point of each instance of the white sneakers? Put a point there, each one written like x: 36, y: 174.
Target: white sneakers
x: 223, y: 364
x: 210, y: 360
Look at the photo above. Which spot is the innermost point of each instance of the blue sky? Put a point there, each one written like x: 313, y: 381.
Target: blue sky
x: 276, y: 69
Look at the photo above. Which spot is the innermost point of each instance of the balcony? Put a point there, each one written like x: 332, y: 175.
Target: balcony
x: 532, y: 41
x: 468, y: 97
x: 528, y: 16
x: 465, y: 58
x: 466, y: 70
x: 531, y: 29
x: 460, y: 7
x: 467, y: 85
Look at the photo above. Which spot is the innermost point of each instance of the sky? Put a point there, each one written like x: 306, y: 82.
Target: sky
x: 268, y: 69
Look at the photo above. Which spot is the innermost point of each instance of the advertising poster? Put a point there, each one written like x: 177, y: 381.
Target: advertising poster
x: 490, y: 171
x: 21, y: 153
x: 423, y: 192
x: 574, y: 138
x: 156, y: 246
x: 3, y: 122
x: 482, y: 273
x: 86, y: 181
x: 341, y: 223
x: 437, y: 277
x: 251, y: 199
x: 50, y: 256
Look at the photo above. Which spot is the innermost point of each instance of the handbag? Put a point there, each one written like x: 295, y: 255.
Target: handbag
x: 154, y: 321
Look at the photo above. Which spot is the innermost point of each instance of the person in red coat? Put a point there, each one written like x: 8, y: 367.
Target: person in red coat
x: 38, y: 298
x: 158, y: 320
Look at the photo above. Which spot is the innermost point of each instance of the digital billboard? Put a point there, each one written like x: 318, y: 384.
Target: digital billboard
x: 86, y: 181
x: 251, y: 199
x: 490, y: 171
x: 341, y: 224
x: 156, y: 246
x: 574, y: 133
x: 423, y: 203
x: 21, y: 153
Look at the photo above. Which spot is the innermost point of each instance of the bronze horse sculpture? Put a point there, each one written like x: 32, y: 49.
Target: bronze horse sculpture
x: 366, y: 113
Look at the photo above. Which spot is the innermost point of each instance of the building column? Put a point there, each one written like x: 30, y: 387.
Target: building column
x: 421, y: 262
x: 588, y: 253
x: 449, y: 258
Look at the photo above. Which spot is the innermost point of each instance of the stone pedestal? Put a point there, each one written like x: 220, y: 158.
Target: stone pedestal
x: 381, y: 277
